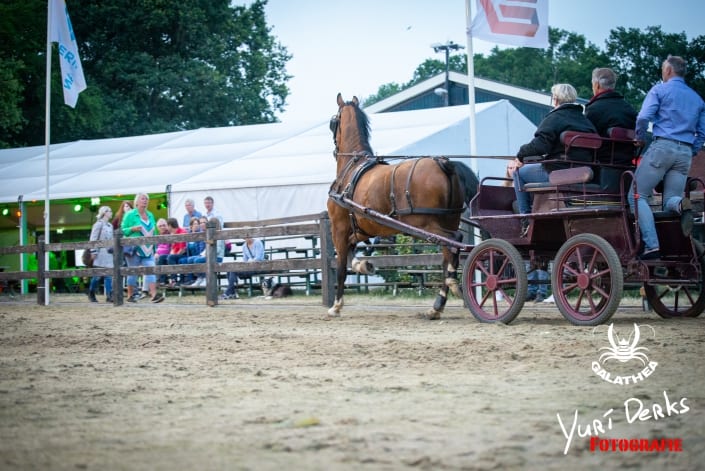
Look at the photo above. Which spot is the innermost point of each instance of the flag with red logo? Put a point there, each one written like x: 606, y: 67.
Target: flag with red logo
x: 514, y: 22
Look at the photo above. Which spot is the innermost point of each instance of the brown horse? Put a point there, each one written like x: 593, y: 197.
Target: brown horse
x: 426, y: 193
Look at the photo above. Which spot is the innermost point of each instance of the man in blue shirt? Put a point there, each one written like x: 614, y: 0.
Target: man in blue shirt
x: 191, y: 213
x: 678, y: 116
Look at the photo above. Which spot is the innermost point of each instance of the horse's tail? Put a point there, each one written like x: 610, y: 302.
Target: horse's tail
x: 468, y: 179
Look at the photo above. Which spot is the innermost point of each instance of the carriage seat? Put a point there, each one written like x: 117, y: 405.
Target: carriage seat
x: 568, y: 179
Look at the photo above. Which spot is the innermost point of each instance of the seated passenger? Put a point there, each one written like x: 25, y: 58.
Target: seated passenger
x: 608, y: 109
x: 567, y: 115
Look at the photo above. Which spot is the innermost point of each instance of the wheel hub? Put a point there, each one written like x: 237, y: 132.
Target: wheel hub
x: 583, y: 281
x: 492, y: 282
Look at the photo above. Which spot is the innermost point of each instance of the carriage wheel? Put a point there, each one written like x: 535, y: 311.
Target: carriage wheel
x: 494, y: 281
x: 587, y: 280
x: 677, y: 300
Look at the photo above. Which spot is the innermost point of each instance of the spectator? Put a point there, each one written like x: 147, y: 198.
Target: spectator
x: 178, y: 249
x: 102, y: 230
x: 546, y: 144
x: 191, y: 213
x: 125, y: 207
x: 194, y: 225
x: 537, y: 275
x: 678, y: 116
x: 201, y: 257
x: 163, y: 249
x: 139, y: 222
x: 193, y: 249
x: 252, y: 251
x: 211, y: 212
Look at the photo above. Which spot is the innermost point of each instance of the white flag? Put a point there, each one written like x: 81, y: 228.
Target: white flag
x: 61, y: 32
x: 513, y: 22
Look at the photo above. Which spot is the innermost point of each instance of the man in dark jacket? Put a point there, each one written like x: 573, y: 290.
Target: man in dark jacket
x: 546, y: 144
x: 608, y: 109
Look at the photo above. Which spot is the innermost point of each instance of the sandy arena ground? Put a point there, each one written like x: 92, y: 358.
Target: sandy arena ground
x: 269, y: 385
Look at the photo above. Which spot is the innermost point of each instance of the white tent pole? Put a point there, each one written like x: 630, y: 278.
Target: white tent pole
x: 47, y: 140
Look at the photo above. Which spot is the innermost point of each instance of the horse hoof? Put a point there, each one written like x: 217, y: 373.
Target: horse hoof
x: 433, y: 315
x: 332, y: 312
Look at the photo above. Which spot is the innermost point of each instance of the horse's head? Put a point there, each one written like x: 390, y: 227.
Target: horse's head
x: 351, y: 128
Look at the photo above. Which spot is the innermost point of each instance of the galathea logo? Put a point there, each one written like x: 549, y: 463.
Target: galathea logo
x: 620, y: 356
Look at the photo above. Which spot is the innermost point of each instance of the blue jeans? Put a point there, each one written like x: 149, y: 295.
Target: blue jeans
x: 529, y: 173
x: 667, y: 161
x: 196, y: 259
x: 137, y: 261
x: 538, y: 275
x: 95, y: 282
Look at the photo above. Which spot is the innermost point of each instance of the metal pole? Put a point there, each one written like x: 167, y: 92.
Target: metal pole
x: 447, y: 77
x: 47, y: 140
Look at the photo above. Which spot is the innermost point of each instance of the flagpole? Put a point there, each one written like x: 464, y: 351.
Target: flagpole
x: 47, y: 140
x: 471, y: 87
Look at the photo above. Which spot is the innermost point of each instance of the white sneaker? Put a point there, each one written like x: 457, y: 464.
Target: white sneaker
x: 201, y: 282
x: 549, y: 299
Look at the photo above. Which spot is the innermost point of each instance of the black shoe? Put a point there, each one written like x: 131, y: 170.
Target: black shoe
x: 133, y: 298
x: 530, y: 296
x: 91, y: 297
x: 654, y: 254
x: 158, y: 298
x: 109, y: 299
x: 686, y: 208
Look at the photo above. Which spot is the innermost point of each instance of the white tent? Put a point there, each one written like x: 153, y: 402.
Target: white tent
x: 253, y: 172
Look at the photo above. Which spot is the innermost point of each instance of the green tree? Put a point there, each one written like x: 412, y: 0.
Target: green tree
x: 21, y: 66
x: 638, y: 54
x: 154, y: 66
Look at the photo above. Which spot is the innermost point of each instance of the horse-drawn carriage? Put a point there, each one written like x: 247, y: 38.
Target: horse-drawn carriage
x: 580, y: 224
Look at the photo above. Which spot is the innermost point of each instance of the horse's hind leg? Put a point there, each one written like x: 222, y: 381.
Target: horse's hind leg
x: 450, y: 281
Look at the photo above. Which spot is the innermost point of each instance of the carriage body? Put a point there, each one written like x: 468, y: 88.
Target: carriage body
x: 585, y: 229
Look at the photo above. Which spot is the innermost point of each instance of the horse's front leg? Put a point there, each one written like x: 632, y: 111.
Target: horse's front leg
x: 341, y: 274
x: 451, y: 261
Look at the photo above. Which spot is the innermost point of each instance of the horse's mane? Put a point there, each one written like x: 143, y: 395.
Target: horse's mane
x: 363, y: 123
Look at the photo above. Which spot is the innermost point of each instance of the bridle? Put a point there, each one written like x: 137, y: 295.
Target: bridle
x: 334, y: 125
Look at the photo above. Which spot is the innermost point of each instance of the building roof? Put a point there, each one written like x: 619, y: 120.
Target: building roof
x: 534, y: 105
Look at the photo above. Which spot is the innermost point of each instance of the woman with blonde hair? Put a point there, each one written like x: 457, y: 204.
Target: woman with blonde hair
x: 566, y: 115
x: 140, y: 223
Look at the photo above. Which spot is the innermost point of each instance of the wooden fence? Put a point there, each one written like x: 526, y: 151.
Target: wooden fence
x: 320, y: 262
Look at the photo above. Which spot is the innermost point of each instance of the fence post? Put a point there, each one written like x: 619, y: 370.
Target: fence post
x: 118, y: 260
x: 211, y: 260
x: 327, y: 257
x: 41, y: 285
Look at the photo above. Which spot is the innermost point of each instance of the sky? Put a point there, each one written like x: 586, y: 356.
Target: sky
x: 355, y: 46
